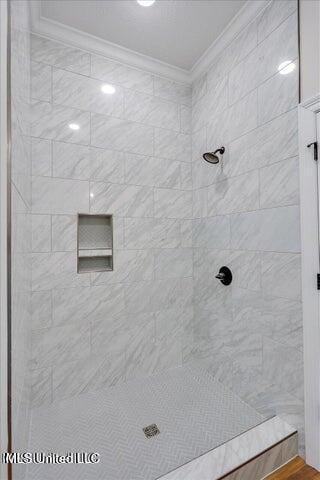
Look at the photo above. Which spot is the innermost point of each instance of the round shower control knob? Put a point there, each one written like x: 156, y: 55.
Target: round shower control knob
x: 225, y: 275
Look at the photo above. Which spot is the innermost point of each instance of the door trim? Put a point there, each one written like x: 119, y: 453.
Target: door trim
x: 309, y: 212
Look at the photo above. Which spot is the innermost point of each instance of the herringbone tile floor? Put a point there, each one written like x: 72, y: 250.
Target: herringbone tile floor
x: 193, y: 412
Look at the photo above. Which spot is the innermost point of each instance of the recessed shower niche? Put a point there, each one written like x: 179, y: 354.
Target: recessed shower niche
x: 95, y: 243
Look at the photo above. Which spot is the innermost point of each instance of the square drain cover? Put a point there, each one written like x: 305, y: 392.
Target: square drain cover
x: 151, y: 430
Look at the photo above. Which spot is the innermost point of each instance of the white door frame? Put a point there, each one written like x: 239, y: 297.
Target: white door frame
x: 3, y: 233
x: 309, y: 200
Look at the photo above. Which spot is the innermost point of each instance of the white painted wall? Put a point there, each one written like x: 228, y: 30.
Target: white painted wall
x: 310, y: 48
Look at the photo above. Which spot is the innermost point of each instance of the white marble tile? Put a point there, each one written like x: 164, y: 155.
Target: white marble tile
x: 109, y: 132
x: 172, y: 323
x: 52, y: 122
x: 54, y: 53
x: 275, y: 229
x: 85, y: 93
x: 87, y: 304
x: 286, y: 318
x: 171, y: 203
x: 41, y: 81
x: 57, y: 345
x: 246, y: 267
x: 121, y: 200
x: 199, y: 88
x: 212, y: 327
x: 70, y: 161
x: 244, y: 115
x: 219, y: 126
x: 200, y: 203
x: 56, y: 270
x: 110, y: 334
x: 281, y: 274
x: 278, y: 95
x: 141, y: 355
x: 128, y: 266
x: 87, y: 375
x: 269, y: 143
x: 238, y: 49
x: 249, y: 326
x: 57, y: 196
x: 279, y: 184
x: 141, y: 170
x: 280, y: 46
x: 273, y: 15
x: 114, y: 72
x: 290, y: 376
x: 173, y: 262
x: 41, y: 387
x: 150, y: 110
x: 152, y: 233
x: 21, y: 165
x: 186, y: 175
x: 185, y: 119
x: 212, y: 232
x: 214, y: 300
x: 186, y: 233
x: 169, y: 90
x: 216, y: 100
x: 263, y: 62
x: 41, y: 306
x: 151, y: 296
x: 41, y: 152
x: 236, y: 194
x: 107, y: 165
x: 172, y: 145
x: 200, y: 114
x: 41, y: 233
x: 204, y: 173
x: 64, y: 233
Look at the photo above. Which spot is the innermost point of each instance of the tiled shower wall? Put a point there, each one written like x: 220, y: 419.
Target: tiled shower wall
x: 20, y: 224
x: 131, y: 158
x: 247, y: 217
x: 177, y: 220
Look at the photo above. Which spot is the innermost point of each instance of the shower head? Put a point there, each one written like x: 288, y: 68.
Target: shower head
x: 212, y: 157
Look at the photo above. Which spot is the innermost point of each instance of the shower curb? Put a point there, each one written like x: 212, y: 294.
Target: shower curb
x: 252, y: 455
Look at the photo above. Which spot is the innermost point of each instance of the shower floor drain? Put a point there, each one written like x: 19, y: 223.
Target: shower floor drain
x: 151, y: 430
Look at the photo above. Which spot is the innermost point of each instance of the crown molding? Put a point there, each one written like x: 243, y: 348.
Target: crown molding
x: 92, y: 44
x: 246, y: 15
x: 85, y: 41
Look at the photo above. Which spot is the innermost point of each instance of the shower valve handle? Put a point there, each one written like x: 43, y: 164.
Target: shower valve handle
x: 224, y: 275
x: 221, y: 276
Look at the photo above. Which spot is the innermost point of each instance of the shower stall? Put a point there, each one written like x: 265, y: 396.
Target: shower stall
x: 156, y: 299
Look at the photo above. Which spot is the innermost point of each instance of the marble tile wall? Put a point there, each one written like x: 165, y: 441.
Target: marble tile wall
x: 138, y: 155
x: 20, y: 226
x: 246, y: 216
x: 131, y: 158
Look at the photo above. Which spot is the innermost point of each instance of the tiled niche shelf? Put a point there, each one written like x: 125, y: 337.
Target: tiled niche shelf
x: 95, y: 243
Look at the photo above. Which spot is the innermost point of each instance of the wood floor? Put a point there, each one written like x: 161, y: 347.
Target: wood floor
x: 295, y: 470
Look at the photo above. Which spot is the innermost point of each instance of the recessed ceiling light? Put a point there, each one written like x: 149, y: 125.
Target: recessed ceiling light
x: 91, y: 195
x: 109, y: 89
x: 74, y: 126
x: 146, y: 3
x: 286, y: 67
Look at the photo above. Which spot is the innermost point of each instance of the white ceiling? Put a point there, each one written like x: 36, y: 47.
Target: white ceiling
x: 177, y: 32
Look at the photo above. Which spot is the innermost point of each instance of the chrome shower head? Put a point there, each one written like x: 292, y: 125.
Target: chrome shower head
x: 212, y: 157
